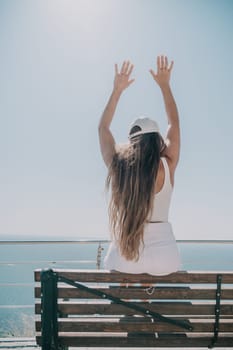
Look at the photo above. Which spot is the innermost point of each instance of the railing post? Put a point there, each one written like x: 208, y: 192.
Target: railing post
x: 49, y: 324
x: 99, y: 257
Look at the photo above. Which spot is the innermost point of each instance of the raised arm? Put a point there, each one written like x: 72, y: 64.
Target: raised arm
x: 162, y: 77
x: 106, y: 139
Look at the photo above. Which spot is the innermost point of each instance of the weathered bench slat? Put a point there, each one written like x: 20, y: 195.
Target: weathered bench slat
x: 166, y: 308
x: 116, y: 277
x: 102, y: 341
x: 130, y: 293
x: 97, y: 325
x: 175, y: 308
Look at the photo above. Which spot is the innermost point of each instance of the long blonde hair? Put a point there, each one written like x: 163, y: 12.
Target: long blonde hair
x: 131, y: 178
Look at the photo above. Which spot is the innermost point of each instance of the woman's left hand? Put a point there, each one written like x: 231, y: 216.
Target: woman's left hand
x: 122, y: 78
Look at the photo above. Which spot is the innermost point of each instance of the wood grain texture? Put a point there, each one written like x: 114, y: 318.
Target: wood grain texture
x: 97, y: 325
x: 117, y: 277
x: 166, y: 308
x: 183, y: 293
x: 140, y: 341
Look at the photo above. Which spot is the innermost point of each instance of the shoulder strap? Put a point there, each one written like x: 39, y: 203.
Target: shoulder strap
x: 167, y: 171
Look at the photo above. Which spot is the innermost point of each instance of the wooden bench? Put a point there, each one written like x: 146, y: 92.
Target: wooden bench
x: 97, y: 308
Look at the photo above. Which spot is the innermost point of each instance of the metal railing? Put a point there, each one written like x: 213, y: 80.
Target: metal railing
x: 16, y: 272
x: 96, y: 260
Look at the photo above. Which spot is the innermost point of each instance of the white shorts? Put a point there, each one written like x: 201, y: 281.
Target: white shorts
x: 159, y: 256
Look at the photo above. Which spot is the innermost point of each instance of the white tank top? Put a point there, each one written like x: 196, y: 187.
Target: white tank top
x: 162, y: 199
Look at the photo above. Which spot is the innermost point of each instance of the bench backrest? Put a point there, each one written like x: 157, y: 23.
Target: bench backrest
x: 196, y: 309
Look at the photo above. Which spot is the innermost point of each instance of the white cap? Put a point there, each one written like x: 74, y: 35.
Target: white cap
x: 146, y: 125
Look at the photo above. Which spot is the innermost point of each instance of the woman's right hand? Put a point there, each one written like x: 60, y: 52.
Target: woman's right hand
x: 122, y: 78
x: 162, y: 77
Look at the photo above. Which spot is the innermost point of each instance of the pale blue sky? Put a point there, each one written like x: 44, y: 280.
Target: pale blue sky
x: 56, y: 71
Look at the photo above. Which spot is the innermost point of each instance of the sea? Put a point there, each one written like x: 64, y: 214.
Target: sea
x: 18, y: 260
